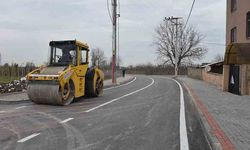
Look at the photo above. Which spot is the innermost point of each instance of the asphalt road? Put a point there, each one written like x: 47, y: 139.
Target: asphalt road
x: 141, y: 115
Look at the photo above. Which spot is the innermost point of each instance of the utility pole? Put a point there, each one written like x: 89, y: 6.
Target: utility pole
x: 114, y: 42
x: 118, y: 32
x: 175, y: 21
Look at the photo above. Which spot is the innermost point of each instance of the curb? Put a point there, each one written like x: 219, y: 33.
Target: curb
x: 14, y: 101
x: 6, y: 94
x: 213, y: 133
x: 120, y: 83
x: 28, y: 100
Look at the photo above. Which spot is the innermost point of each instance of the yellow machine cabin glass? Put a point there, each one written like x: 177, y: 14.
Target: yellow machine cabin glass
x: 63, y: 55
x: 84, y: 56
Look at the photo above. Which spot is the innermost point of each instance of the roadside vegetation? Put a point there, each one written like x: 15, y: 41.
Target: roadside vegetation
x: 150, y: 69
x: 4, y: 79
x: 10, y: 72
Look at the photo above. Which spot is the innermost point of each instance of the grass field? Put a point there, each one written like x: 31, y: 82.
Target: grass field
x: 7, y: 79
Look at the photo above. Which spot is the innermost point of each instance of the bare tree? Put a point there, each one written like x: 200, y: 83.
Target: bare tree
x: 187, y: 46
x: 29, y: 66
x: 119, y: 61
x: 218, y: 58
x: 98, y: 58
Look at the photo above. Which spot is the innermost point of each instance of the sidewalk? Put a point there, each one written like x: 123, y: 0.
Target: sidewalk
x: 23, y: 97
x: 120, y: 80
x: 230, y: 113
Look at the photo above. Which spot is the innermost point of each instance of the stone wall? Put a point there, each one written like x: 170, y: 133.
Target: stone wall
x: 245, y: 79
x: 222, y: 80
x: 195, y: 73
x: 213, y: 78
x: 201, y: 74
x: 248, y: 80
x: 225, y: 77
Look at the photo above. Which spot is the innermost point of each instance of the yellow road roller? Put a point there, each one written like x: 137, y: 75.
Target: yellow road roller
x: 66, y: 76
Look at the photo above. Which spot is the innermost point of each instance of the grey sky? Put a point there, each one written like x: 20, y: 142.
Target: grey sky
x: 26, y: 26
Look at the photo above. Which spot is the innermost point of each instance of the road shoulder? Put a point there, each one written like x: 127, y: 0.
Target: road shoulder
x: 22, y: 97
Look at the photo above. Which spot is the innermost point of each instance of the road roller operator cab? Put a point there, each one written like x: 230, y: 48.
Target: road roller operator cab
x: 67, y: 75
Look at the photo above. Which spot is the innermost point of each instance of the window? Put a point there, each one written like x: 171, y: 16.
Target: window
x: 62, y: 55
x: 233, y: 35
x: 84, y: 56
x: 248, y: 24
x: 233, y: 5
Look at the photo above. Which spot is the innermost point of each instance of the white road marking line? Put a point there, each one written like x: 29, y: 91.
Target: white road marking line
x: 66, y: 120
x: 21, y: 107
x: 2, y: 112
x: 183, y: 129
x: 28, y: 137
x: 116, y: 99
x: 120, y: 85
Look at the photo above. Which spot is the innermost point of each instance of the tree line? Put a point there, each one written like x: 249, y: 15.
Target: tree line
x: 15, y: 70
x: 150, y: 69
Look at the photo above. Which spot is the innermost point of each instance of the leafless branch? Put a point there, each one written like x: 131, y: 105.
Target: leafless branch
x: 188, y: 43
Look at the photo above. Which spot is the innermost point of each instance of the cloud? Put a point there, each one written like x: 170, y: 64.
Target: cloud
x: 27, y: 26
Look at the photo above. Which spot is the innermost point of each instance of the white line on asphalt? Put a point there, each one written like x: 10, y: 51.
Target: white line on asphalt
x: 120, y: 85
x: 116, y: 99
x: 2, y: 112
x: 66, y: 120
x: 28, y: 137
x: 21, y: 107
x: 183, y: 129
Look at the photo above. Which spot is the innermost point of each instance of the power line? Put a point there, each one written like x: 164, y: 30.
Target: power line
x: 109, y: 11
x: 119, y: 7
x: 213, y: 43
x: 118, y: 34
x: 189, y: 15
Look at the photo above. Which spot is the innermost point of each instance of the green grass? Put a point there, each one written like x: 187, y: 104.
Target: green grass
x: 7, y: 79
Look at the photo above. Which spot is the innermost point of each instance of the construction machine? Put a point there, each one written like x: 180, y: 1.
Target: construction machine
x: 66, y: 76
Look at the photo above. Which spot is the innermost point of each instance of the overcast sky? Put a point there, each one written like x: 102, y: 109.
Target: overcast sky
x: 27, y: 26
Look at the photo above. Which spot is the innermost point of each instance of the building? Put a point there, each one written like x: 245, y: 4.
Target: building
x: 238, y: 21
x: 232, y: 74
x: 236, y: 68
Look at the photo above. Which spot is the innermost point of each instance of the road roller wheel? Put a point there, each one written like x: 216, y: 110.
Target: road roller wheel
x: 67, y: 93
x: 99, y: 87
x: 93, y: 89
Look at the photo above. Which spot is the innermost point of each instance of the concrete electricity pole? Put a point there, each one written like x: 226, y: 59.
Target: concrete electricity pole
x: 175, y: 21
x: 114, y: 42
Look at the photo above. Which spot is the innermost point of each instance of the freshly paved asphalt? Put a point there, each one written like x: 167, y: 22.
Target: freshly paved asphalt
x: 147, y: 119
